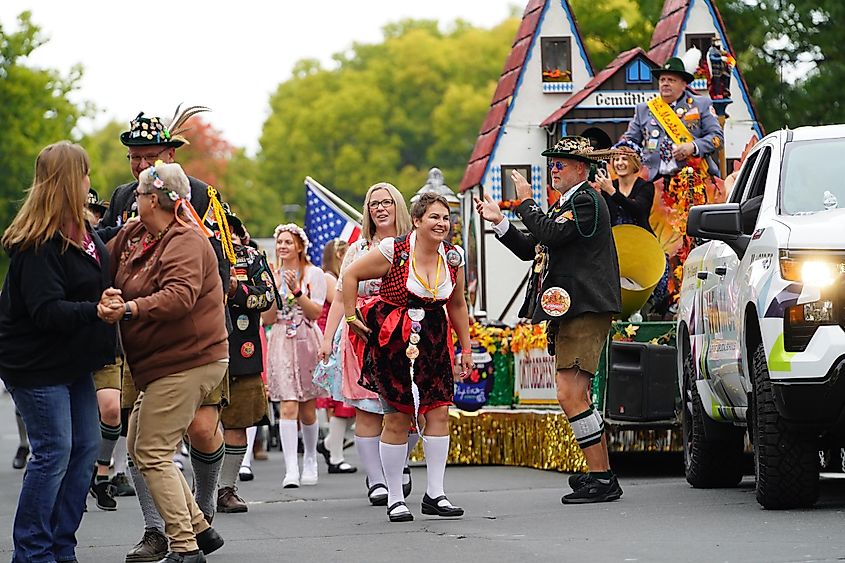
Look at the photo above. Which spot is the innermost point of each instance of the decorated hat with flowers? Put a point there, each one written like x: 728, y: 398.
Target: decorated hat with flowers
x: 574, y: 147
x: 145, y: 131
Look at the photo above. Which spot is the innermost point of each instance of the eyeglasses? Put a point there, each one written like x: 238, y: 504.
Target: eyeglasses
x: 150, y: 158
x: 557, y: 165
x: 386, y: 203
x: 140, y: 193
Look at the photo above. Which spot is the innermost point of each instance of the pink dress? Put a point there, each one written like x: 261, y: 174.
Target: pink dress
x: 293, y: 345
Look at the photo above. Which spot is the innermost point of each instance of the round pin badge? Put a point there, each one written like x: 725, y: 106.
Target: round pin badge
x: 412, y: 352
x: 248, y: 349
x: 555, y: 301
x: 655, y: 133
x: 416, y: 314
x: 453, y: 258
x: 414, y: 338
x: 243, y: 322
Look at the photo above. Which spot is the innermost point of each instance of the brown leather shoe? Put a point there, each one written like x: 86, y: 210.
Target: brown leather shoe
x: 228, y: 501
x: 152, y: 547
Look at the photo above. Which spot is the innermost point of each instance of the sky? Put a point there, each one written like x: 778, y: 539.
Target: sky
x: 230, y: 56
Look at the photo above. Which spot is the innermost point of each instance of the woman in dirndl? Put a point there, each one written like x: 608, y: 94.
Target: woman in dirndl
x: 409, y: 358
x: 293, y: 347
x: 385, y: 215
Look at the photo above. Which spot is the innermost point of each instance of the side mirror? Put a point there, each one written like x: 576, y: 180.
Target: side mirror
x: 719, y: 221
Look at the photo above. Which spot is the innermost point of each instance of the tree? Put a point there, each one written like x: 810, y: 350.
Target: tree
x: 109, y: 167
x: 384, y: 112
x: 35, y: 111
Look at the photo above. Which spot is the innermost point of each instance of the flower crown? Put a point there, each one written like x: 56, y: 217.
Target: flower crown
x: 295, y: 229
x: 158, y: 183
x: 627, y: 144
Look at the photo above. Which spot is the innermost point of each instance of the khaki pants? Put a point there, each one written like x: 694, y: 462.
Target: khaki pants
x: 159, y: 420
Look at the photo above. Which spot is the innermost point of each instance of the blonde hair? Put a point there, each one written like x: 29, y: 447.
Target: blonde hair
x: 55, y: 199
x: 633, y: 160
x: 174, y: 179
x: 402, y: 217
x: 332, y: 253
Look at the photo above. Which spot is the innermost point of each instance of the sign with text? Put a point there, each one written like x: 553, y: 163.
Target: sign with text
x: 610, y: 99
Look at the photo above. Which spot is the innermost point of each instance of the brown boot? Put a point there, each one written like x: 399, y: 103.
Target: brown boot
x: 228, y: 501
x: 152, y: 547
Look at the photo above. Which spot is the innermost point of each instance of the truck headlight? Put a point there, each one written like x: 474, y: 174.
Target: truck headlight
x: 817, y: 273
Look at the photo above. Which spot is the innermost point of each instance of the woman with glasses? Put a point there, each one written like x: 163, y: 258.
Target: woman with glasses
x: 409, y: 358
x: 385, y: 216
x: 292, y: 350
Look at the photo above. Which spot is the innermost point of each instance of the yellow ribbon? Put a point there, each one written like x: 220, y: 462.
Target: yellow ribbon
x: 220, y: 217
x: 672, y: 124
x: 432, y: 291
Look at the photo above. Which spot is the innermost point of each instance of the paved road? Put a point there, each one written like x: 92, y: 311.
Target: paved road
x: 512, y: 515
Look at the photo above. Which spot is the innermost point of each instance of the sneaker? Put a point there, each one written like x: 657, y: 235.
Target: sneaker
x: 309, y: 472
x: 21, y: 456
x: 578, y: 480
x: 291, y: 480
x: 594, y: 491
x: 152, y: 547
x: 103, y: 491
x: 229, y: 502
x: 245, y: 473
x: 122, y: 486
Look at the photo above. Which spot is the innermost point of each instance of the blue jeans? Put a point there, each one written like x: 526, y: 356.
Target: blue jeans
x: 64, y: 433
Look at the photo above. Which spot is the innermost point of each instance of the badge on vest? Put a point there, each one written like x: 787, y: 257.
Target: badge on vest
x: 555, y: 301
x: 248, y: 349
x: 243, y: 322
x: 453, y: 258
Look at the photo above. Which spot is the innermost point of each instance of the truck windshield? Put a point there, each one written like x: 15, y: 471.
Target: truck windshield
x: 813, y: 176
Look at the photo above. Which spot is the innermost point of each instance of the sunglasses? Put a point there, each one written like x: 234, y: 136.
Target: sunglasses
x: 557, y: 165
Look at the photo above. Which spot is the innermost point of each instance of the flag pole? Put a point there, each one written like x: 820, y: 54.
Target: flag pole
x: 354, y: 213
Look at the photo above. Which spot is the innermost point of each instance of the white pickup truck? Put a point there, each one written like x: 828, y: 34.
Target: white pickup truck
x: 761, y: 345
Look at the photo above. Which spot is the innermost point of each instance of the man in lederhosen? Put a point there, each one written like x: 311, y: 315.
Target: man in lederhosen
x: 251, y: 291
x: 574, y: 287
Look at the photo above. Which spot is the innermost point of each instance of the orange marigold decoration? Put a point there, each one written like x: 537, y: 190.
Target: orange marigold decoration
x: 529, y: 337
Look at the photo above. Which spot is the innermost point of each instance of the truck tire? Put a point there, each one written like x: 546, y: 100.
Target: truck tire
x: 786, y: 461
x: 712, y: 455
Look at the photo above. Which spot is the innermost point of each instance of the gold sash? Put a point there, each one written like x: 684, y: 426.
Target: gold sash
x: 673, y: 125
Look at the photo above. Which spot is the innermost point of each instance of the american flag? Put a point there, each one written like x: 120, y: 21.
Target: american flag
x: 324, y: 220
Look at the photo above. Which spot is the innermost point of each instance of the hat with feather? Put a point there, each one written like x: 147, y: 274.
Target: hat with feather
x: 145, y: 131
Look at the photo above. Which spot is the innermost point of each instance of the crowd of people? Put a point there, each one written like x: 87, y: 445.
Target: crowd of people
x: 170, y: 332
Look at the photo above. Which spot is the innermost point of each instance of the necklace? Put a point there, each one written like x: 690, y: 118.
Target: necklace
x: 428, y: 288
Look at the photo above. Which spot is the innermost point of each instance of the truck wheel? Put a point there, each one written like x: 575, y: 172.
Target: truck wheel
x: 786, y: 461
x: 712, y: 451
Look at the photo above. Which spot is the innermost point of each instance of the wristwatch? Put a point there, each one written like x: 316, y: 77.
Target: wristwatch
x: 127, y: 313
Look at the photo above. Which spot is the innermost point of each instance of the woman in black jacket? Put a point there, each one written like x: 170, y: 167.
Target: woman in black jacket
x: 628, y: 197
x: 51, y: 340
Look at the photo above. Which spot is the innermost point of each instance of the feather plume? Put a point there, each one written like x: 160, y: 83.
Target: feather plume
x: 181, y: 117
x: 691, y: 59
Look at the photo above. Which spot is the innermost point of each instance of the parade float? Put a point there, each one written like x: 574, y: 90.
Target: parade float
x: 507, y: 412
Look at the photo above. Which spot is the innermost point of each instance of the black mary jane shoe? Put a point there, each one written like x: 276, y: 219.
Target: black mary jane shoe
x: 402, y: 516
x: 342, y: 467
x: 376, y: 500
x: 407, y: 487
x: 432, y: 507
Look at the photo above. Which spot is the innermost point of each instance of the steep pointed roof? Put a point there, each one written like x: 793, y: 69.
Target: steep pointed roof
x: 508, y: 81
x: 620, y: 61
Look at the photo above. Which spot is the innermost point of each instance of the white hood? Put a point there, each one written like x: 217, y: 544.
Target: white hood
x: 824, y: 230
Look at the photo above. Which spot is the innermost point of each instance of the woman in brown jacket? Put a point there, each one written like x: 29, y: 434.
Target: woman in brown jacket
x: 170, y: 299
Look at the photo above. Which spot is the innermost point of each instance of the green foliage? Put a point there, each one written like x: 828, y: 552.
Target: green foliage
x: 109, y: 167
x: 34, y: 112
x: 613, y: 26
x: 384, y: 112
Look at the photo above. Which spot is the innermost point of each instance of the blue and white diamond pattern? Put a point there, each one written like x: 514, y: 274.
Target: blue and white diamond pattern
x: 557, y: 87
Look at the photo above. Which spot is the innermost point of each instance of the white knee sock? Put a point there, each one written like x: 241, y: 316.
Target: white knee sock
x: 288, y: 432
x: 119, y: 455
x: 250, y: 443
x: 309, y: 442
x: 334, y: 439
x: 368, y: 451
x: 393, y: 461
x: 413, y: 439
x: 436, y: 451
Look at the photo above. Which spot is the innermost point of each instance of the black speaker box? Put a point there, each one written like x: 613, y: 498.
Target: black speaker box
x: 642, y: 382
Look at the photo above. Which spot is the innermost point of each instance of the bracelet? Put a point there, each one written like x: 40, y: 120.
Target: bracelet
x: 298, y: 293
x: 466, y: 353
x: 351, y: 319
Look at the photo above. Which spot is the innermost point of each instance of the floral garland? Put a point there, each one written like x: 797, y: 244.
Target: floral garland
x: 687, y: 188
x: 492, y: 339
x: 529, y: 337
x: 509, y: 204
x: 627, y: 333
